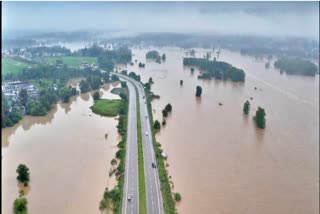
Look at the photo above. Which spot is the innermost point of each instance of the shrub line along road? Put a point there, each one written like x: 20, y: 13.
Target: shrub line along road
x: 153, y: 193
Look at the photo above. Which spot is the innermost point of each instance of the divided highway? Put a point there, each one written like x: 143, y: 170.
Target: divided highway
x: 153, y: 192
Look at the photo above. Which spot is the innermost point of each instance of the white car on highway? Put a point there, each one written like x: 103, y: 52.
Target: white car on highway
x: 147, y: 133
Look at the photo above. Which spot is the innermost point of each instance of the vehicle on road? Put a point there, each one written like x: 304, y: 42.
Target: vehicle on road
x: 146, y: 116
x: 143, y: 97
x: 129, y: 197
x: 147, y: 133
x: 154, y: 165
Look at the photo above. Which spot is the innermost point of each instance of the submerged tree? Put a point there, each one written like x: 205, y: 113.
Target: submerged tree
x: 23, y: 174
x: 163, y: 57
x: 96, y: 95
x: 20, y: 206
x: 198, y: 91
x: 260, y: 118
x: 156, y: 125
x: 246, y: 107
x: 168, y: 107
x: 164, y: 113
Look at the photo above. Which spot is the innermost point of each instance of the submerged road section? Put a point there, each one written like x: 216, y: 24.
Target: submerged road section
x: 130, y: 199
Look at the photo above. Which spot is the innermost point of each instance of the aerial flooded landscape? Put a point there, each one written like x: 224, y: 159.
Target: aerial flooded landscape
x: 174, y: 110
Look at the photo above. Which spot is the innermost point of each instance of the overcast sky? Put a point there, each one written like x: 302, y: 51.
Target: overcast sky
x: 262, y: 18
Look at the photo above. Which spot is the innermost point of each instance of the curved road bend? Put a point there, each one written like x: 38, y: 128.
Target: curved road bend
x: 154, y: 197
x: 131, y: 169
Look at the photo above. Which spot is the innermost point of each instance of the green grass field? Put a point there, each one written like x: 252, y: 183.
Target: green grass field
x: 109, y: 108
x: 11, y: 65
x: 69, y: 60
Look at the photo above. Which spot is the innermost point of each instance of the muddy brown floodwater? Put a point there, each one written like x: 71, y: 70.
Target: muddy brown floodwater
x: 219, y: 161
x: 67, y: 154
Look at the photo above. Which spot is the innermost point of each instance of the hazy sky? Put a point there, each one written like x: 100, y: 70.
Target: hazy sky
x: 263, y: 18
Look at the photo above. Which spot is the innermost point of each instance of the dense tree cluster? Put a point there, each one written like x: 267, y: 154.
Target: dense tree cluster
x: 50, y: 72
x: 296, y: 66
x: 154, y: 55
x: 44, y: 50
x: 107, y: 58
x: 9, y: 115
x: 216, y: 69
x: 135, y: 76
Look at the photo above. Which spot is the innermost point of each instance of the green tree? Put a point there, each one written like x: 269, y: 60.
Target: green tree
x: 150, y: 80
x: 164, y: 122
x: 192, y: 70
x: 156, y: 125
x: 181, y: 82
x: 163, y: 57
x: 168, y: 107
x: 164, y: 113
x: 23, y: 174
x: 260, y: 118
x: 198, y: 91
x: 23, y: 94
x: 246, y: 107
x: 84, y: 86
x: 103, y: 205
x: 177, y: 196
x: 20, y: 206
x: 96, y: 95
x: 147, y: 86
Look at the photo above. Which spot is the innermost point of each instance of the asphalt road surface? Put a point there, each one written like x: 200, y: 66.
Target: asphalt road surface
x: 131, y: 169
x: 154, y: 198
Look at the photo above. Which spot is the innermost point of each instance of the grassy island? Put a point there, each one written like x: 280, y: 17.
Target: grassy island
x: 109, y: 108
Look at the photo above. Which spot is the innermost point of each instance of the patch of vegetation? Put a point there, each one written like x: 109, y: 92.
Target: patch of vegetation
x: 198, y: 91
x: 260, y: 118
x: 177, y: 196
x: 109, y: 108
x: 20, y: 206
x: 68, y: 60
x: 296, y: 66
x: 154, y: 55
x: 246, y: 107
x: 13, y: 65
x: 216, y: 69
x: 23, y: 174
x: 156, y: 125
